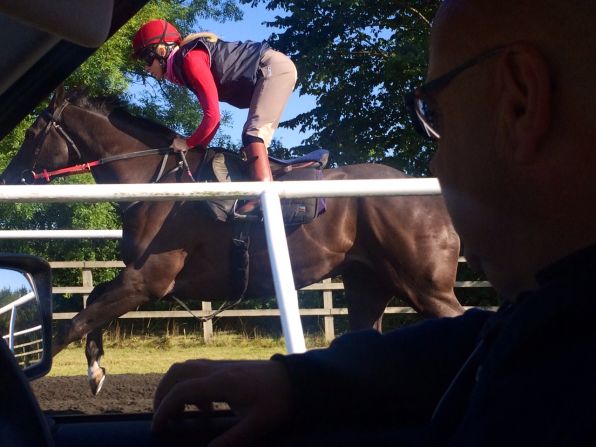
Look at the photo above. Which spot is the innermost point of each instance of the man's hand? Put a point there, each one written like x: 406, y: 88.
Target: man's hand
x: 179, y: 145
x: 257, y: 391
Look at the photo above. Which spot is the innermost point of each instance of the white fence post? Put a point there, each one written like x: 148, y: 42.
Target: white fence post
x: 87, y: 282
x: 283, y: 278
x: 328, y: 305
x: 208, y: 324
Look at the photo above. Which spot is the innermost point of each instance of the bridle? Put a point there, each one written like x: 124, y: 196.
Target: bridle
x: 30, y: 176
x: 53, y: 123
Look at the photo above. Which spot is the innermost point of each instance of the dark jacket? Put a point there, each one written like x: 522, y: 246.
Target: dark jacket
x: 234, y: 66
x: 525, y: 375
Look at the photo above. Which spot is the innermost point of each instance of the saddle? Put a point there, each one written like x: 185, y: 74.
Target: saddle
x: 221, y: 165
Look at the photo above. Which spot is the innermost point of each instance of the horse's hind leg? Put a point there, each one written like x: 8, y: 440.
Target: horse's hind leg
x: 429, y: 286
x: 366, y: 297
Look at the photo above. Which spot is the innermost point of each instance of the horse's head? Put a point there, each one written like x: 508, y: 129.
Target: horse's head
x: 46, y: 145
x: 75, y: 135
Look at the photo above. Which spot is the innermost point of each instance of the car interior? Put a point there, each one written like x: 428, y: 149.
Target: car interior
x: 43, y: 43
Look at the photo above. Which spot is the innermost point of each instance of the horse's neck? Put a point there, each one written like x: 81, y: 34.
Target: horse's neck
x: 85, y: 130
x: 100, y: 139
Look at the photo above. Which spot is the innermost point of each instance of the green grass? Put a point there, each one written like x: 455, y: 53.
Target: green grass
x: 141, y: 355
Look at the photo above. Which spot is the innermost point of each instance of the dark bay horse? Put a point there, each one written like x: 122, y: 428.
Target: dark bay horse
x: 382, y: 246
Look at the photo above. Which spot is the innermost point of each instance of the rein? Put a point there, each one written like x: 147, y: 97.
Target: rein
x: 85, y: 167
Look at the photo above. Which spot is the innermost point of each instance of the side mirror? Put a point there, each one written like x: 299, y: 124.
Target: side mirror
x: 26, y: 312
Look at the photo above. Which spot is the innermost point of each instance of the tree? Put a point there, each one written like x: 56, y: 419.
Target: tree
x: 110, y: 71
x: 359, y: 58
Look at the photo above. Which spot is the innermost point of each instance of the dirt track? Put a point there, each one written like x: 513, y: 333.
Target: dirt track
x: 124, y: 393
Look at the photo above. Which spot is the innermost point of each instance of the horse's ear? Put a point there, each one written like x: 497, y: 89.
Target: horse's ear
x: 58, y: 97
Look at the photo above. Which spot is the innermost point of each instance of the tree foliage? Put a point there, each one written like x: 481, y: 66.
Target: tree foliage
x: 110, y: 71
x: 359, y: 58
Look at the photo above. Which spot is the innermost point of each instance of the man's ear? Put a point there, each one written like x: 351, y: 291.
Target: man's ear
x: 526, y: 101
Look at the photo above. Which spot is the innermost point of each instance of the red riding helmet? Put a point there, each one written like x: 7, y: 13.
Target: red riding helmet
x: 152, y: 33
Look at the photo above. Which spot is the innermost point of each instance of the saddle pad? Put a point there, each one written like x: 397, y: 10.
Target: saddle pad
x: 225, y: 166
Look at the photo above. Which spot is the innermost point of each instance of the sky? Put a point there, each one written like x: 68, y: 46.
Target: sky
x: 12, y: 279
x: 252, y: 28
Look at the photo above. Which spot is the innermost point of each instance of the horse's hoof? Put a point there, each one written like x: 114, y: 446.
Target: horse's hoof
x: 96, y: 382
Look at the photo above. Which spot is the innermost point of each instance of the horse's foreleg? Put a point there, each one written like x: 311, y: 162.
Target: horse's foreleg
x: 96, y: 374
x: 80, y: 325
x: 106, y: 302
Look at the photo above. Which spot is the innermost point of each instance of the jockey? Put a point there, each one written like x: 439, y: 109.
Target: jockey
x: 244, y: 74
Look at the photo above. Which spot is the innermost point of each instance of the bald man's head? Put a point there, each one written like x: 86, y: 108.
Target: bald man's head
x: 563, y: 30
x: 515, y: 156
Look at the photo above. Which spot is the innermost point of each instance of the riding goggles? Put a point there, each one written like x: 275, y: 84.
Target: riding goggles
x: 148, y: 56
x: 420, y: 103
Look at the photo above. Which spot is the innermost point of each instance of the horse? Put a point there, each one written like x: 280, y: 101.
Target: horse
x: 382, y: 247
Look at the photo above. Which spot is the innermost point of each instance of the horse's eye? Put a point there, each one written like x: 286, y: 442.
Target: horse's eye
x: 29, y: 134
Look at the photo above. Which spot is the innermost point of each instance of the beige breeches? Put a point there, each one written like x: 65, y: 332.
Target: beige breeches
x: 272, y: 91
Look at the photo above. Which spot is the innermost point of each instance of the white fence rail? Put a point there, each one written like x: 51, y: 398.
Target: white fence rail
x: 60, y: 234
x: 206, y: 191
x: 270, y: 194
x: 32, y: 346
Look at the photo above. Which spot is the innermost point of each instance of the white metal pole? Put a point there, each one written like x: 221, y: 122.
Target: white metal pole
x: 60, y: 234
x: 131, y: 192
x: 13, y: 317
x: 279, y: 255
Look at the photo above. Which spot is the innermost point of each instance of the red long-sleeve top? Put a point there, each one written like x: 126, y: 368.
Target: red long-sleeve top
x: 197, y: 67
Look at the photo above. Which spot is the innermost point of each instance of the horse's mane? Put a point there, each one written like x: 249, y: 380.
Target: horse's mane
x: 116, y: 108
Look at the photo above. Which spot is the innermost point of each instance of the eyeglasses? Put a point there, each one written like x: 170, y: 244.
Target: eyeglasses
x: 422, y: 111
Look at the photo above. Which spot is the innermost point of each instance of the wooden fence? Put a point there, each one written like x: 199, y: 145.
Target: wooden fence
x: 327, y: 287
